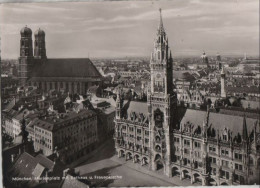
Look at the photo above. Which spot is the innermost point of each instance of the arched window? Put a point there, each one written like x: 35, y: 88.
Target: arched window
x: 159, y: 55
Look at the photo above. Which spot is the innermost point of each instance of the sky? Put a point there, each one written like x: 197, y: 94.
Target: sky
x: 128, y: 28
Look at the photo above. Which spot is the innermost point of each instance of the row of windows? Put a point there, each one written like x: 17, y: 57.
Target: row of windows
x: 238, y: 156
x: 195, y: 98
x: 225, y: 163
x: 139, y: 131
x: 224, y: 152
x: 213, y: 160
x: 139, y: 138
x: 238, y: 166
x: 42, y: 131
x: 224, y: 174
x: 212, y: 149
x: 197, y: 145
x: 43, y: 143
x: 187, y: 142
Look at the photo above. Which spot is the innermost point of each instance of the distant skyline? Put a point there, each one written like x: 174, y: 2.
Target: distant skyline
x: 128, y: 28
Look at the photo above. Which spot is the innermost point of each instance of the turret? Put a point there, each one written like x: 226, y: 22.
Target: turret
x: 245, y: 134
x: 39, y: 44
x: 26, y: 55
x: 223, y: 79
x: 26, y: 49
x: 119, y: 103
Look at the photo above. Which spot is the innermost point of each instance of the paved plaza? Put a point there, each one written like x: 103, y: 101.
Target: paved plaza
x: 106, y: 164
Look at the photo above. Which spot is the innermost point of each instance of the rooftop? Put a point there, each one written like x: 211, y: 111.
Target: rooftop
x: 53, y: 123
x: 69, y: 67
x: 218, y: 121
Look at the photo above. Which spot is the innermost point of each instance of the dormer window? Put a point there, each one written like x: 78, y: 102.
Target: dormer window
x: 225, y: 135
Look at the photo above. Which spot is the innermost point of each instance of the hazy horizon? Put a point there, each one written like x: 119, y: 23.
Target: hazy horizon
x: 114, y: 29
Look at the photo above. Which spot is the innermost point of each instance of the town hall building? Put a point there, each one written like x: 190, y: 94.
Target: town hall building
x: 207, y: 147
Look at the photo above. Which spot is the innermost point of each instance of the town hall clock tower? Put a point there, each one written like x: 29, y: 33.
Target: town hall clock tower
x: 162, y: 102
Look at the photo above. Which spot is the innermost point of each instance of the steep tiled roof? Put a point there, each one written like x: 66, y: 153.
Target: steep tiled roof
x: 78, y: 67
x: 138, y: 107
x: 37, y: 172
x: 24, y: 166
x: 136, y: 111
x: 44, y: 161
x: 218, y: 121
x: 28, y: 166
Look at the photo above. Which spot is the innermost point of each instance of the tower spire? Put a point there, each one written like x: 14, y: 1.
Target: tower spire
x: 161, y: 28
x: 245, y: 135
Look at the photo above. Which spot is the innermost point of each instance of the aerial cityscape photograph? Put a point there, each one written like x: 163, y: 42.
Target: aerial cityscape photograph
x: 106, y: 93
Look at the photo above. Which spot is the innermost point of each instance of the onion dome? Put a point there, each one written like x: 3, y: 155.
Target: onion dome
x: 39, y: 32
x: 203, y: 55
x: 26, y: 31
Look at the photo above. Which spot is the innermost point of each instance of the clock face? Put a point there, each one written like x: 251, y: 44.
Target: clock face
x: 158, y: 117
x: 158, y: 75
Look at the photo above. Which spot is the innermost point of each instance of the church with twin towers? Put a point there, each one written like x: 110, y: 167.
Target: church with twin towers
x: 73, y: 75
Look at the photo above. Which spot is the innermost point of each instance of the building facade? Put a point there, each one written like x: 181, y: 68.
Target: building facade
x: 206, y: 147
x: 70, y: 135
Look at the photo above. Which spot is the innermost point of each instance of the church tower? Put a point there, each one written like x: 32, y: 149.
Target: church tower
x: 162, y: 103
x: 205, y: 59
x: 223, y: 88
x: 218, y: 62
x: 26, y: 55
x: 39, y: 44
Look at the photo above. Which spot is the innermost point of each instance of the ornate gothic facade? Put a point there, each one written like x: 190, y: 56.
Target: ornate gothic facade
x: 206, y: 147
